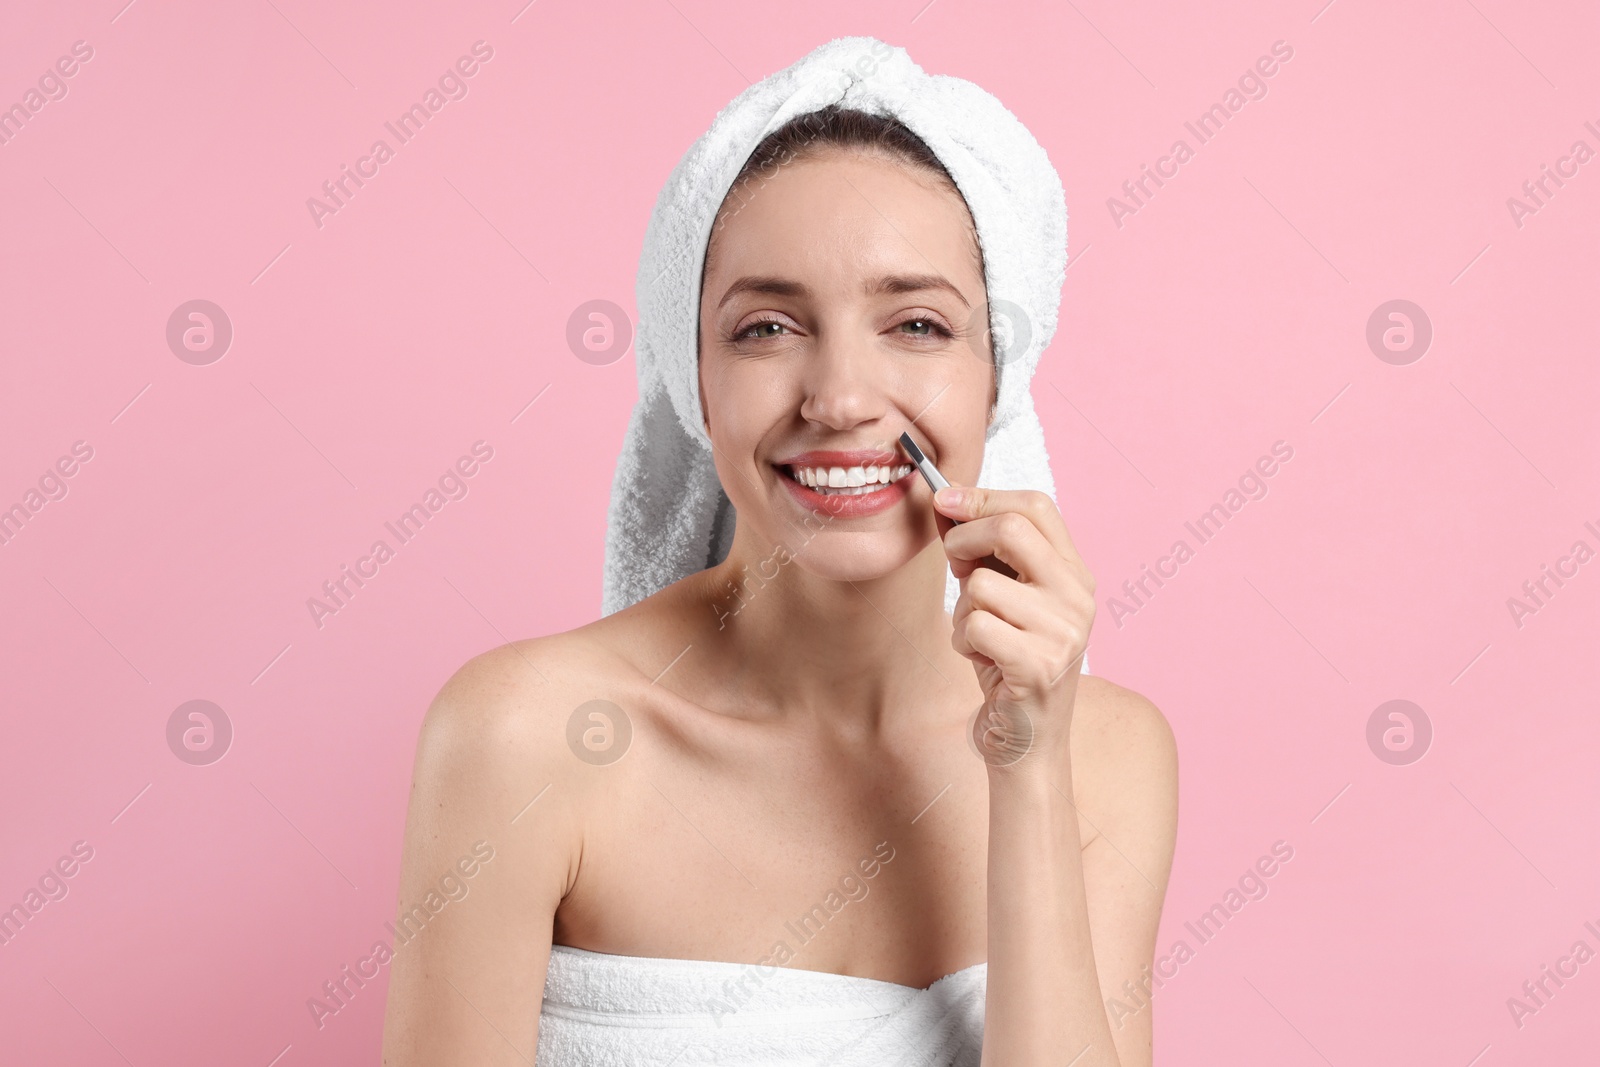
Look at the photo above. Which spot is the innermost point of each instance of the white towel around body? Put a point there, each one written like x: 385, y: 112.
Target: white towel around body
x: 604, y: 1010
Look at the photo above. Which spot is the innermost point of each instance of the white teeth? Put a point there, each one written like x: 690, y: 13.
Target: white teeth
x: 849, y: 480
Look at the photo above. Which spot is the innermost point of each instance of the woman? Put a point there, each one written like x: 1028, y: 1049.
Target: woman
x: 810, y: 816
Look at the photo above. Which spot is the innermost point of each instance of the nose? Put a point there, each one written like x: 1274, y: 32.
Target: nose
x: 844, y: 382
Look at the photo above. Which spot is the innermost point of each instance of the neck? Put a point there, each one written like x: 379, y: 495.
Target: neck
x: 844, y: 651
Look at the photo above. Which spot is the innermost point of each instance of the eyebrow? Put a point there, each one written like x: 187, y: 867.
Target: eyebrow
x: 887, y: 285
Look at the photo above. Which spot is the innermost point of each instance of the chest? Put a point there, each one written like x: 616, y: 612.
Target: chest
x: 851, y: 859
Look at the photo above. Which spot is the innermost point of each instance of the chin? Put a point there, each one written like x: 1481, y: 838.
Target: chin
x: 840, y: 561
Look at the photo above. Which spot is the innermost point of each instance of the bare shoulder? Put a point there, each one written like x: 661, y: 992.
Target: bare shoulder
x: 496, y: 818
x: 1125, y: 763
x: 512, y: 686
x: 503, y: 713
x: 488, y: 745
x: 1122, y: 725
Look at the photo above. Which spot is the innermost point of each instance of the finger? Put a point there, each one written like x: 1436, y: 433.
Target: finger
x: 1032, y: 611
x: 1029, y: 661
x: 984, y: 634
x: 965, y: 503
x: 1010, y: 537
x: 1027, y: 607
x: 958, y: 641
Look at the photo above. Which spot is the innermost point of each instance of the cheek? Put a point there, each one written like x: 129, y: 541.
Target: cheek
x: 962, y: 382
x: 742, y: 404
x: 957, y: 422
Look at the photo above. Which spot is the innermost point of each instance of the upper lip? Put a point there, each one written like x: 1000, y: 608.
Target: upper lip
x: 872, y: 457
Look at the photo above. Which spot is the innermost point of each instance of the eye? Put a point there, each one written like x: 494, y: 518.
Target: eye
x: 924, y: 326
x: 759, y: 330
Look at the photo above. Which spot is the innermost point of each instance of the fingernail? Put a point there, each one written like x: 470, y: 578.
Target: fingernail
x: 950, y: 498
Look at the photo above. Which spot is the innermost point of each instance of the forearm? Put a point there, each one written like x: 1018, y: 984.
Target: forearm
x: 1043, y: 1002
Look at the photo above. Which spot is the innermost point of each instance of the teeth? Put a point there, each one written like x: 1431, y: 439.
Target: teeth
x: 850, y: 481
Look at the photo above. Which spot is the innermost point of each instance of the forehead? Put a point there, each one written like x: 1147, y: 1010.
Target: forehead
x: 837, y: 216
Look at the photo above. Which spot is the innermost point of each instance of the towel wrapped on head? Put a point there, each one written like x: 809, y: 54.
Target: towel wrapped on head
x: 668, y: 515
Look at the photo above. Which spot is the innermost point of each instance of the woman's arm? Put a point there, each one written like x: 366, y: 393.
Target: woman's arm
x: 470, y: 950
x: 1065, y: 926
x: 1072, y: 921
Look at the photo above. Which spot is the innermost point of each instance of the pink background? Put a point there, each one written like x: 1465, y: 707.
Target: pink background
x: 368, y: 354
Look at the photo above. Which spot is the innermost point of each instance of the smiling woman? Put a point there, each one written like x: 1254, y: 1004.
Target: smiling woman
x: 890, y: 688
x: 818, y: 310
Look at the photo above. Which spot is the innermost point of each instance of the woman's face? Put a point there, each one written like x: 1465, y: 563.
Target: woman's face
x: 843, y: 303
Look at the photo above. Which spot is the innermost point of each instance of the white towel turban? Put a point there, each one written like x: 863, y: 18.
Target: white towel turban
x: 669, y: 516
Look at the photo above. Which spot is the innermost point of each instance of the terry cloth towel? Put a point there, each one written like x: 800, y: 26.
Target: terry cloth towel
x: 668, y: 515
x: 603, y: 1010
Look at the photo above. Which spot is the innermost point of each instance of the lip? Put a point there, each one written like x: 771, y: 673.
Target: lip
x: 851, y: 506
x: 873, y: 457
